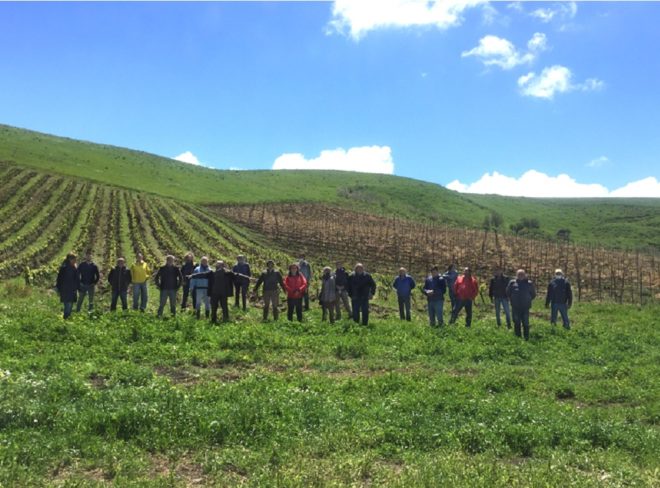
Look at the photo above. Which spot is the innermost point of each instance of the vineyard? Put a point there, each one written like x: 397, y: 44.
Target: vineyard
x: 384, y: 244
x: 42, y: 217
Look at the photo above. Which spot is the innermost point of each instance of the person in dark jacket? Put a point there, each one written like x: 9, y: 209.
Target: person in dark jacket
x: 341, y: 280
x: 497, y: 294
x: 521, y: 292
x: 67, y: 284
x: 450, y: 278
x: 242, y: 281
x: 305, y: 270
x: 404, y: 284
x: 187, y: 269
x: 361, y: 289
x: 271, y: 279
x: 560, y: 296
x: 168, y: 280
x: 119, y: 279
x: 328, y: 294
x: 89, y: 276
x: 435, y: 287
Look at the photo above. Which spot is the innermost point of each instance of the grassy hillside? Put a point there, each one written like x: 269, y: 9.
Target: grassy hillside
x: 131, y: 400
x: 623, y: 223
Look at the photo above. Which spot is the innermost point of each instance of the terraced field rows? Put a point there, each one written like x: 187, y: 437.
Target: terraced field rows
x: 42, y: 217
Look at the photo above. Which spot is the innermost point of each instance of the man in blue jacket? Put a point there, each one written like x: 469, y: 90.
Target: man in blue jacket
x: 435, y: 287
x: 560, y: 296
x: 404, y: 284
x: 242, y: 280
x: 521, y: 292
x: 88, y: 274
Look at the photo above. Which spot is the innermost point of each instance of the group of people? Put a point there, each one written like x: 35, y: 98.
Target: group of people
x: 338, y: 290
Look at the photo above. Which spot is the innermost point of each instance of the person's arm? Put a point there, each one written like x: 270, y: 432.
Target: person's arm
x: 508, y: 290
x: 58, y: 282
x: 157, y: 278
x: 443, y: 286
x: 304, y: 284
x: 281, y: 280
x: 395, y: 282
x: 413, y: 285
x: 490, y: 289
x: 372, y: 287
x: 532, y: 290
x: 260, y: 280
x: 248, y: 271
x: 97, y: 275
x: 569, y: 295
x: 179, y: 278
x: 111, y: 275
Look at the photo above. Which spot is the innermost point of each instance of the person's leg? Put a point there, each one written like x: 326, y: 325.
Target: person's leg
x: 306, y: 300
x: 144, y: 296
x: 401, y: 301
x: 91, y: 290
x: 193, y: 297
x: 468, y: 313
x: 455, y: 310
x: 431, y: 308
x: 289, y: 309
x: 516, y: 321
x: 440, y: 312
x: 81, y: 297
x: 299, y: 309
x: 525, y: 323
x: 324, y: 311
x: 347, y: 303
x: 507, y: 312
x: 356, y: 310
x: 563, y: 310
x: 68, y: 308
x: 113, y: 300
x: 365, y: 311
x: 207, y: 303
x: 244, y: 291
x: 275, y: 301
x: 224, y: 303
x: 163, y: 300
x: 331, y: 311
x: 184, y: 300
x: 498, y: 303
x: 554, y: 308
x: 214, y: 309
x: 406, y: 304
x: 124, y: 300
x: 135, y: 287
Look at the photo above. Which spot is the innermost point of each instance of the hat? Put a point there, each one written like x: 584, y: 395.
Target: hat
x: 559, y: 272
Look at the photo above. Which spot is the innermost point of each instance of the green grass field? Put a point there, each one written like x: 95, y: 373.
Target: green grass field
x: 131, y: 400
x: 624, y: 223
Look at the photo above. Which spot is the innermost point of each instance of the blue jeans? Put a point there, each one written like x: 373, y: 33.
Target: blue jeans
x: 404, y: 307
x: 68, y: 308
x: 435, y: 311
x: 361, y: 306
x: 562, y: 308
x: 502, y: 303
x: 164, y: 296
x: 89, y: 291
x: 521, y: 318
x: 460, y: 304
x: 140, y: 292
x: 113, y: 302
x: 202, y: 296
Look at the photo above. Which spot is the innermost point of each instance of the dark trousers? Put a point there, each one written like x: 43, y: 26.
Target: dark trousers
x: 521, y: 317
x: 241, y: 293
x: 164, y: 296
x: 89, y: 291
x: 329, y: 310
x: 460, y: 304
x: 404, y: 307
x: 115, y: 296
x: 452, y: 299
x: 222, y: 300
x: 186, y: 293
x: 562, y: 309
x: 305, y: 299
x: 294, y: 303
x: 361, y: 307
x: 68, y: 308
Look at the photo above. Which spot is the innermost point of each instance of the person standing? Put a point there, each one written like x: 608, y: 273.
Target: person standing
x: 560, y: 297
x: 341, y: 280
x: 328, y: 294
x: 67, y: 284
x: 186, y: 270
x: 88, y: 274
x: 306, y: 270
x: 497, y: 294
x: 435, y: 287
x: 450, y: 278
x: 242, y: 281
x: 295, y: 285
x: 168, y: 280
x: 361, y: 289
x: 119, y: 279
x: 199, y: 288
x: 271, y: 279
x: 220, y: 288
x: 404, y: 284
x: 521, y: 292
x: 140, y: 273
x: 466, y: 290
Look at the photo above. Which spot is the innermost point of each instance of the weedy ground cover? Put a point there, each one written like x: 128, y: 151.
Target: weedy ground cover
x: 132, y: 400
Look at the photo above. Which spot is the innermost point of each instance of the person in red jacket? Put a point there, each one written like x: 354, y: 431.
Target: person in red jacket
x: 466, y: 289
x: 295, y: 285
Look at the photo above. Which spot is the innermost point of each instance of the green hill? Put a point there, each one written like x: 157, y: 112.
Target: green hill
x: 633, y: 223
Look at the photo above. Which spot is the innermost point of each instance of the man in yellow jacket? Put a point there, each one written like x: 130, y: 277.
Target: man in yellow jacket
x: 140, y: 273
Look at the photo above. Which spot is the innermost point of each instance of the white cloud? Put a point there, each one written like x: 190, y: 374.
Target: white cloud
x: 366, y: 159
x: 536, y: 184
x: 648, y: 187
x: 188, y: 157
x: 496, y: 51
x: 563, y: 11
x: 357, y: 18
x: 552, y: 80
x: 515, y: 6
x: 598, y: 162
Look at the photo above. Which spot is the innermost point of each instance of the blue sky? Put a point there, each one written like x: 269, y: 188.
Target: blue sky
x: 487, y: 97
